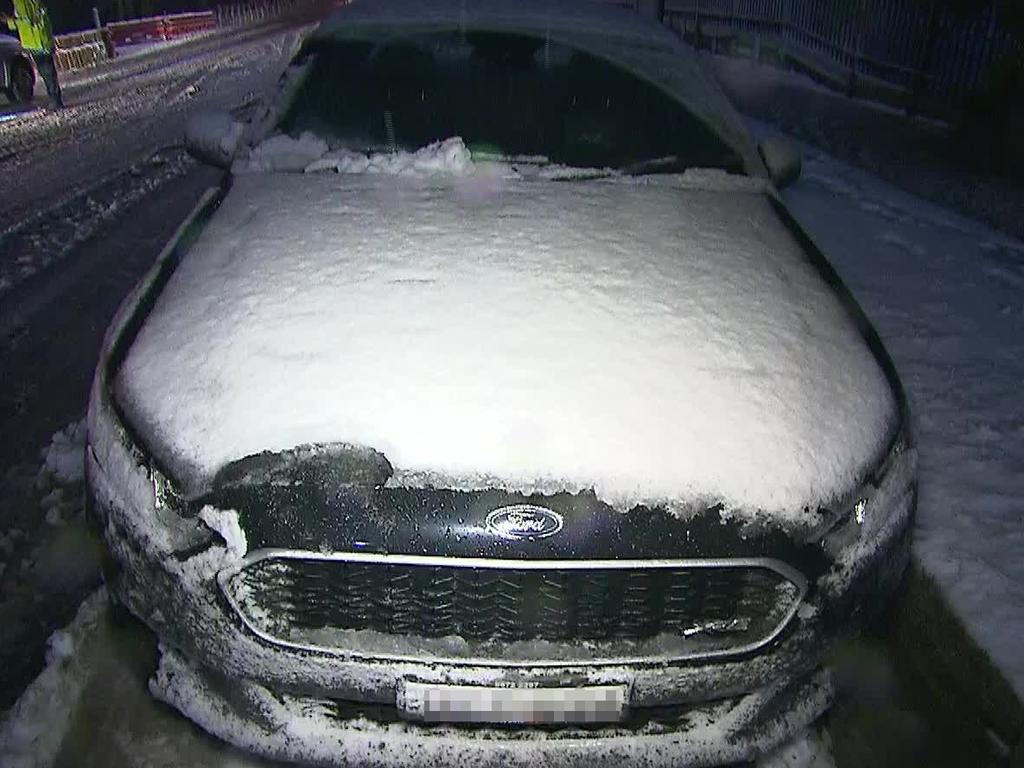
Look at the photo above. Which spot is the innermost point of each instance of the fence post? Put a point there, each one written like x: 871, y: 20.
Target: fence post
x: 786, y: 28
x: 858, y: 45
x: 921, y: 75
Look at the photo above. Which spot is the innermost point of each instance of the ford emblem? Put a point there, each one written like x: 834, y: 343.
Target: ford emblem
x: 524, y: 521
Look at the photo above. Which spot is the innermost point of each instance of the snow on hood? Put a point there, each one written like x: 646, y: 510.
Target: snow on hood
x: 657, y: 344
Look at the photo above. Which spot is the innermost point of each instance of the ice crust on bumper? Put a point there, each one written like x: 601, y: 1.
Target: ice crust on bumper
x: 179, y: 599
x: 290, y: 728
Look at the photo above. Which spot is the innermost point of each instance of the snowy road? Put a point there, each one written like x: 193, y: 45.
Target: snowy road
x: 62, y: 174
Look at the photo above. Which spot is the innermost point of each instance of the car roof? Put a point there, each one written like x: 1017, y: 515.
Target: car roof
x: 617, y: 34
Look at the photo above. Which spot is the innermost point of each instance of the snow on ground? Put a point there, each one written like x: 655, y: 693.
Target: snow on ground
x: 65, y: 456
x: 32, y: 731
x: 40, y: 240
x: 947, y: 296
x: 49, y: 556
x: 809, y: 749
x: 62, y: 171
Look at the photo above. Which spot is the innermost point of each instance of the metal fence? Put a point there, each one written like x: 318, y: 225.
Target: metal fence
x: 89, y: 48
x: 926, y: 54
x: 238, y: 14
x: 159, y: 28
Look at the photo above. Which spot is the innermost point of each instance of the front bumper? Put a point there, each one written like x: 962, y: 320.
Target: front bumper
x: 320, y: 732
x: 335, y: 709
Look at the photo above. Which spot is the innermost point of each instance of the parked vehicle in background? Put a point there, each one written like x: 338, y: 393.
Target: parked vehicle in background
x: 496, y: 410
x: 17, y: 73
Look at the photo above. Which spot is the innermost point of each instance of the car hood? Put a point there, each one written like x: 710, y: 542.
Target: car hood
x: 660, y: 343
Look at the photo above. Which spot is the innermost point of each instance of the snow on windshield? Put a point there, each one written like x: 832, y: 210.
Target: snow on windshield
x: 310, y: 154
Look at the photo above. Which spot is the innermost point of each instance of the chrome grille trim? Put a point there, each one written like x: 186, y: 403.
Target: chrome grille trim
x: 778, y: 567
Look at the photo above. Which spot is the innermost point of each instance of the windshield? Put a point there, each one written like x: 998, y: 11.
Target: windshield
x: 504, y: 94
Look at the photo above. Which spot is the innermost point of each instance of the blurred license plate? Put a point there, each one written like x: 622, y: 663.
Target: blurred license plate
x: 479, y: 704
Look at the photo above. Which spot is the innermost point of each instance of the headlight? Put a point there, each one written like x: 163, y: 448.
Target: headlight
x: 854, y: 511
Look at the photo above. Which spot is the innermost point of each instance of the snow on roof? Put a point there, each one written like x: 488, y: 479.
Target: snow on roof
x: 654, y: 343
x: 617, y: 34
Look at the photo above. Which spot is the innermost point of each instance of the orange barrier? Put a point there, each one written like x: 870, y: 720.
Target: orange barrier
x: 165, y: 27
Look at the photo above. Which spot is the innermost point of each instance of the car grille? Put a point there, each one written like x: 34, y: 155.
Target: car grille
x: 718, y: 606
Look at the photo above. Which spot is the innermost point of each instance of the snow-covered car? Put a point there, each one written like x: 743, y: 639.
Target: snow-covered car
x: 496, y: 410
x: 17, y: 72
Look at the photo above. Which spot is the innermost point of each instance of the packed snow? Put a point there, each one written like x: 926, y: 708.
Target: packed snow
x: 945, y: 293
x: 656, y: 342
x: 283, y: 153
x: 309, y: 154
x: 308, y: 731
x: 65, y: 456
x: 32, y: 731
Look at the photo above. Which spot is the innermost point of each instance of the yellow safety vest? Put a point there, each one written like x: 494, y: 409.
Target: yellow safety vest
x: 33, y: 25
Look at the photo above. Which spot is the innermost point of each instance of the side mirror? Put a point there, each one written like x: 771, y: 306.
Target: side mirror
x: 213, y: 137
x: 782, y: 158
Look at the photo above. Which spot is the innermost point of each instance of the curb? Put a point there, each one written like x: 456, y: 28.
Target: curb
x: 948, y: 672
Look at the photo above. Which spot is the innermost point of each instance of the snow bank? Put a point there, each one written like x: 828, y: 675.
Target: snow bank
x: 309, y: 154
x: 448, y: 156
x: 945, y: 295
x: 657, y: 344
x: 282, y: 153
x: 32, y: 730
x: 65, y: 456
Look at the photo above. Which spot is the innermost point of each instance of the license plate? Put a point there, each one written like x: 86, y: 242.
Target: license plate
x: 433, y: 703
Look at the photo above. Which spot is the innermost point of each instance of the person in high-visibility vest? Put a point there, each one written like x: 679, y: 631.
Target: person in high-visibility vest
x: 32, y: 24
